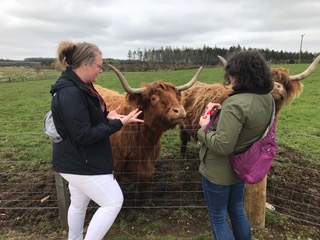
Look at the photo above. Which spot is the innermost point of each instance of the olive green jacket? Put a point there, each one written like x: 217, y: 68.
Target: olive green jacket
x: 243, y: 119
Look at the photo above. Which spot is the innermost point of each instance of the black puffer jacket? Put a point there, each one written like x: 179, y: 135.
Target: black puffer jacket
x: 78, y: 117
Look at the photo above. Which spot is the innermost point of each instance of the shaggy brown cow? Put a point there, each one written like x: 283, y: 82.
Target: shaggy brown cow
x: 137, y: 146
x: 286, y: 89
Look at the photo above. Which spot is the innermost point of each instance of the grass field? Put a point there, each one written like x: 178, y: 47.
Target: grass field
x: 24, y: 104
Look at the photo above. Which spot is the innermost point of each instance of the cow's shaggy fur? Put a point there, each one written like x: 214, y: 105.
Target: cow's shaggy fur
x: 137, y: 146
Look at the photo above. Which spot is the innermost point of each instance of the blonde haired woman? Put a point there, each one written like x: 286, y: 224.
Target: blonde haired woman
x: 84, y: 158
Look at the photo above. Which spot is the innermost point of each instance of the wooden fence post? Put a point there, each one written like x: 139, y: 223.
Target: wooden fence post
x: 255, y: 203
x: 62, y: 196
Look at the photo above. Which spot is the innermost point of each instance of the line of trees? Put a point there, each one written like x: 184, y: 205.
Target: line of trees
x: 175, y: 58
x: 208, y: 55
x: 28, y: 62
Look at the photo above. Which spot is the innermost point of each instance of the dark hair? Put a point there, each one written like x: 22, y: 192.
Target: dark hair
x: 251, y: 71
x: 74, y: 54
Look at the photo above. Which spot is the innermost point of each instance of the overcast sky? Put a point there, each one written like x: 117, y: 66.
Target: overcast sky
x: 33, y: 28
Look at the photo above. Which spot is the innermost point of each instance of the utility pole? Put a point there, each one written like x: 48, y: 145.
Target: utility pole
x: 300, y: 47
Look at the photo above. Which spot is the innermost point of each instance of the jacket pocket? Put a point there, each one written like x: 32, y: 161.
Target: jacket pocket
x: 203, y: 152
x: 83, y: 153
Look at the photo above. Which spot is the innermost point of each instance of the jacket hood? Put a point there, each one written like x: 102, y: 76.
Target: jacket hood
x: 67, y: 79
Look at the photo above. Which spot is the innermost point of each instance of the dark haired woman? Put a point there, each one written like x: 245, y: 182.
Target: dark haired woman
x: 243, y: 119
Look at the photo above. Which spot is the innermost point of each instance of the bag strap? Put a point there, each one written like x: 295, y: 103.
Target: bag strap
x: 273, y: 112
x: 212, y: 119
x: 272, y: 118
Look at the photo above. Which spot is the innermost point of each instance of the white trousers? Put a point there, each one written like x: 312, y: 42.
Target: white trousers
x: 102, y: 189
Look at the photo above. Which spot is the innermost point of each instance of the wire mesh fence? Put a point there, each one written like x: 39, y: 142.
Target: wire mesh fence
x: 293, y: 188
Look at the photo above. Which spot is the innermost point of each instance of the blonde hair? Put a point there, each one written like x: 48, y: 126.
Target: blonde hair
x: 74, y: 54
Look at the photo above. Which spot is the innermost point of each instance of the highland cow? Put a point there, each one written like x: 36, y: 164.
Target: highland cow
x: 137, y: 146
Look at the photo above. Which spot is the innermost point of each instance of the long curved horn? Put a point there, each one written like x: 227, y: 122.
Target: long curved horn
x: 223, y: 61
x: 124, y: 82
x: 307, y: 72
x: 191, y: 82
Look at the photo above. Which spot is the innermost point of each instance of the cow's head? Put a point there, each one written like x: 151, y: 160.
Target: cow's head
x: 286, y: 87
x: 159, y: 101
x: 284, y: 90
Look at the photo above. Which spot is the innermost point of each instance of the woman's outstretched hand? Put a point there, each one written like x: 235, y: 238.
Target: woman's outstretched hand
x: 125, y: 119
x: 132, y: 117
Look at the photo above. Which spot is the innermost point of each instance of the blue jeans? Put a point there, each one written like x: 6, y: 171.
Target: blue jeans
x: 222, y: 200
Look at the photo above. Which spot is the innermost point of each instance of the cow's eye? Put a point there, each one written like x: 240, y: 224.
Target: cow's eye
x: 153, y: 98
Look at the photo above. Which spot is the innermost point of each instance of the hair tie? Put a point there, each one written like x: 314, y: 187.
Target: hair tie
x: 65, y: 60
